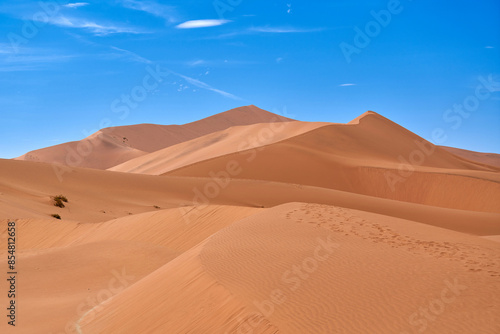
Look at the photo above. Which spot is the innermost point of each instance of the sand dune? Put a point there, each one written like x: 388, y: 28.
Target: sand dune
x: 112, y: 146
x: 98, y: 196
x: 217, y: 144
x: 201, y: 298
x: 71, y: 280
x: 96, y: 254
x: 244, y: 280
x: 246, y: 222
x: 483, y: 158
x: 370, y: 156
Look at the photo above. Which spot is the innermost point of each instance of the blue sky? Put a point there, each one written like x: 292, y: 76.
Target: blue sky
x: 69, y: 68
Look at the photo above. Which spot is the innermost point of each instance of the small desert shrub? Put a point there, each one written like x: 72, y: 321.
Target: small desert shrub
x: 59, y: 203
x: 59, y: 199
x: 156, y: 207
x: 56, y: 216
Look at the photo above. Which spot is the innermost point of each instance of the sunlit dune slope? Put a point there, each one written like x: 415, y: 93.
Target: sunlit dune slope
x: 371, y: 155
x: 96, y: 196
x: 57, y: 286
x: 220, y: 143
x: 306, y: 268
x: 112, y: 146
x: 75, y: 266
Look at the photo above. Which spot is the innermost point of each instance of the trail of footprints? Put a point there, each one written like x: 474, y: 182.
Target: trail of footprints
x: 340, y: 220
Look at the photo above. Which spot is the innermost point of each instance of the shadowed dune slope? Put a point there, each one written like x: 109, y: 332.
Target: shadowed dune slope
x: 220, y: 143
x: 112, y: 146
x: 58, y: 285
x: 75, y: 267
x: 306, y: 268
x: 96, y: 196
x: 179, y: 298
x: 371, y: 156
x: 168, y: 228
x: 483, y: 158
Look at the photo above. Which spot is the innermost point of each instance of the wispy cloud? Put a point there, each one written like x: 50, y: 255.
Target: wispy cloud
x: 151, y: 7
x: 76, y: 4
x: 283, y: 30
x: 266, y: 30
x: 98, y: 29
x: 29, y: 59
x: 202, y: 85
x: 6, y: 48
x: 198, y: 62
x: 19, y: 68
x: 201, y: 24
x: 210, y: 62
x: 192, y: 81
x: 489, y: 47
x: 347, y: 85
x: 132, y: 56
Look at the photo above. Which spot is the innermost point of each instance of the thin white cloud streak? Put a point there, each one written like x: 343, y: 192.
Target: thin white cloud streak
x: 267, y: 30
x: 192, y: 81
x: 93, y: 27
x: 202, y: 85
x: 13, y: 52
x: 283, y: 30
x: 34, y: 60
x: 6, y: 48
x: 20, y: 68
x: 132, y: 56
x: 199, y: 62
x: 76, y: 4
x: 151, y: 7
x: 210, y: 63
x: 201, y: 24
x: 347, y: 85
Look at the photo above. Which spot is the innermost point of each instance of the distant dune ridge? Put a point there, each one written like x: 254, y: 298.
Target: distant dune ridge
x: 111, y: 146
x: 251, y: 222
x: 370, y: 155
x: 484, y: 158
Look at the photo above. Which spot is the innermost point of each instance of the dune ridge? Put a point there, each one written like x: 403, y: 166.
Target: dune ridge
x: 220, y: 143
x: 219, y: 278
x: 491, y: 159
x: 370, y: 156
x: 27, y: 188
x: 109, y: 147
